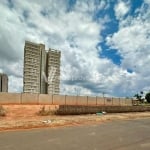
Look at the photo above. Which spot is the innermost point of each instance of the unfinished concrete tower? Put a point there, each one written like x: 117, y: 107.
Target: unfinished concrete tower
x: 53, y: 71
x: 33, y: 67
x: 37, y: 64
x: 3, y: 82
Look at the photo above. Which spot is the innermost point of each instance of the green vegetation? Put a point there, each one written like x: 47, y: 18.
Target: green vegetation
x: 139, y: 96
x: 147, y: 97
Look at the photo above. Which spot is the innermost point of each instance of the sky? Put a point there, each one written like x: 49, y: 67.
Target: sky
x: 104, y: 44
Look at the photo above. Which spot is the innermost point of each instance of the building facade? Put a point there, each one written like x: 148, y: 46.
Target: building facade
x: 3, y: 82
x: 37, y: 70
x: 53, y: 71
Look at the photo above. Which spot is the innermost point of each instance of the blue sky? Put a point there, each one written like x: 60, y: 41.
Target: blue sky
x: 104, y: 43
x: 112, y: 26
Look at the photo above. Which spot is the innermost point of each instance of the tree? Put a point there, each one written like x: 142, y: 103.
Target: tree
x: 139, y: 97
x: 141, y: 92
x: 147, y: 97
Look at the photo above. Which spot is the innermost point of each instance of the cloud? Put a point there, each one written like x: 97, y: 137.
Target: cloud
x: 132, y: 43
x: 57, y: 28
x: 15, y: 84
x: 74, y: 29
x: 121, y: 9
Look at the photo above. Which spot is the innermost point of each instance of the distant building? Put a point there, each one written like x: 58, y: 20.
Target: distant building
x: 3, y: 82
x: 53, y: 71
x: 33, y: 67
x: 41, y: 69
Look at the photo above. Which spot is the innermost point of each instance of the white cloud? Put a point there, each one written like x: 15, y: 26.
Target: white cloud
x: 76, y: 34
x: 121, y: 9
x: 15, y: 84
x: 71, y: 32
x: 132, y: 43
x: 147, y: 1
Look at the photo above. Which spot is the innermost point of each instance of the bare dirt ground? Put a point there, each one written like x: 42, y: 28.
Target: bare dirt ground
x: 25, y: 117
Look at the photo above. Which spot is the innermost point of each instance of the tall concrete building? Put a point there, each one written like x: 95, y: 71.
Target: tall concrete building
x: 53, y: 71
x: 3, y: 82
x: 38, y: 65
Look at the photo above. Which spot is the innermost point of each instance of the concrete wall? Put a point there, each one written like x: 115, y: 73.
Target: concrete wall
x: 116, y: 101
x: 100, y: 101
x: 10, y: 98
x: 91, y: 101
x: 108, y: 101
x: 29, y: 98
x: 45, y: 99
x: 81, y: 100
x: 59, y: 99
x: 122, y: 102
x: 26, y: 98
x: 71, y: 100
x: 129, y: 102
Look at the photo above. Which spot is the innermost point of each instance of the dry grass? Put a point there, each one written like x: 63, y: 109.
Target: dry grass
x: 2, y: 111
x: 45, y: 111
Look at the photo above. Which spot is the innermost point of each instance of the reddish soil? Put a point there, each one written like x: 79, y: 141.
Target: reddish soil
x: 26, y: 117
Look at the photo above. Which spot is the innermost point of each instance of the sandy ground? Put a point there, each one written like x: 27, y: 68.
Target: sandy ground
x: 25, y: 117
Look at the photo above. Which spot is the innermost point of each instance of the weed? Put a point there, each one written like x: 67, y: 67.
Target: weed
x: 45, y: 112
x: 2, y: 111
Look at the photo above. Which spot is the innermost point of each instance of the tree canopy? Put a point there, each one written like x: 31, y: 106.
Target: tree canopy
x: 147, y: 97
x: 139, y: 96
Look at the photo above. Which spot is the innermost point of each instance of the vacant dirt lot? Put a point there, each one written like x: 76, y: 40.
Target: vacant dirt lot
x: 25, y: 117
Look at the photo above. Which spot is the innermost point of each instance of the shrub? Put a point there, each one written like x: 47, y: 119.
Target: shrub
x: 147, y: 97
x: 45, y: 112
x: 2, y: 111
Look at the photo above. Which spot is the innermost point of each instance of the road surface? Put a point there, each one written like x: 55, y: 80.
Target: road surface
x: 117, y: 135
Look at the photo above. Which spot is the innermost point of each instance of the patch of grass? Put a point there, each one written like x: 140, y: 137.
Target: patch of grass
x: 45, y: 112
x: 2, y: 111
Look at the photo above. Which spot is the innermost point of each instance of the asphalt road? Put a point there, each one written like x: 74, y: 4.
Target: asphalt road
x: 118, y: 135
